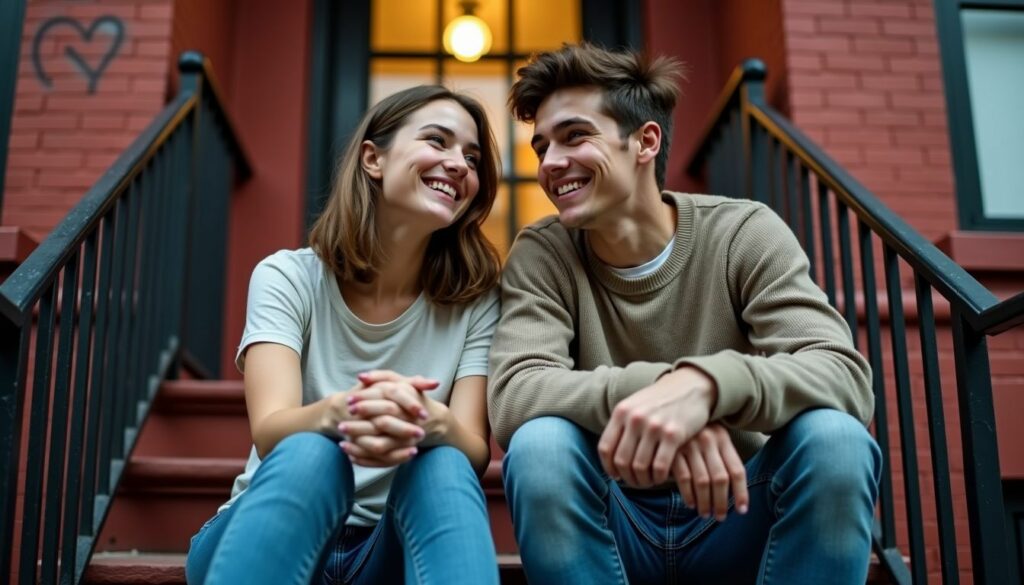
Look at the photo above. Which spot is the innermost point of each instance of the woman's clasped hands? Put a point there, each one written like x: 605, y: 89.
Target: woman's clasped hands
x: 389, y: 417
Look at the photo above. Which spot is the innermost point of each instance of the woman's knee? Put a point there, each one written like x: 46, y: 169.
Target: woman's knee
x: 435, y: 467
x: 309, y: 460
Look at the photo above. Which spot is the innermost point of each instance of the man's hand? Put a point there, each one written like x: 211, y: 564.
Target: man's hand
x: 705, y: 468
x: 646, y: 430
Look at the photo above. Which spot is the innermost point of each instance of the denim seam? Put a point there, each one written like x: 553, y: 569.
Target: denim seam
x: 607, y: 525
x: 710, y: 522
x: 409, y: 550
x: 364, y: 554
x: 633, y: 520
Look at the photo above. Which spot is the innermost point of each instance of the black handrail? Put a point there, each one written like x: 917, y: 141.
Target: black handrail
x: 104, y: 305
x: 776, y: 164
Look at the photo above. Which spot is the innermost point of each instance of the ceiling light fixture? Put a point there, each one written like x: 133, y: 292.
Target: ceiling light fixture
x: 467, y: 37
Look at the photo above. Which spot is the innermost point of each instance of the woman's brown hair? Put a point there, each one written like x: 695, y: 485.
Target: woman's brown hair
x: 634, y: 89
x: 460, y: 263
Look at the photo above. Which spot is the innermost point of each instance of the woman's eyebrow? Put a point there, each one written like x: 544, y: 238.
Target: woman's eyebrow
x: 447, y: 132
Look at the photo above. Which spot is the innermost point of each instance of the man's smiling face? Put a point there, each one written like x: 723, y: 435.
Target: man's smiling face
x: 586, y: 167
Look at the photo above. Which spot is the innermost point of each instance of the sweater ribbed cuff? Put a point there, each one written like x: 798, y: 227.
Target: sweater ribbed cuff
x: 636, y: 376
x: 732, y: 380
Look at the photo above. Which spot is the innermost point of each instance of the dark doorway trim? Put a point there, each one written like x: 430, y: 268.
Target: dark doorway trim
x: 338, y: 90
x: 614, y: 23
x: 12, y: 20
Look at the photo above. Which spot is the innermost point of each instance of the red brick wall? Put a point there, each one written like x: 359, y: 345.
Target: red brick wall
x: 865, y: 83
x: 64, y: 136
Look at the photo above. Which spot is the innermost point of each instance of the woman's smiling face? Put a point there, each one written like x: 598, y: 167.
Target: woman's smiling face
x: 429, y: 173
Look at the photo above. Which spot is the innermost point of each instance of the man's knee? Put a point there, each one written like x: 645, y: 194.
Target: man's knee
x: 548, y: 458
x: 835, y: 450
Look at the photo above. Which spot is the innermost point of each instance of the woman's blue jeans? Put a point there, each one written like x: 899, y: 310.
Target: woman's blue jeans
x: 288, y: 526
x: 812, y: 493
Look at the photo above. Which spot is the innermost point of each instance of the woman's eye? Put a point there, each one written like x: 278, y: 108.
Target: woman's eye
x: 471, y: 160
x: 437, y: 138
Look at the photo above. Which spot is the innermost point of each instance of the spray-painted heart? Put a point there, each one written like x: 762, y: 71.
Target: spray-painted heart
x: 111, y: 25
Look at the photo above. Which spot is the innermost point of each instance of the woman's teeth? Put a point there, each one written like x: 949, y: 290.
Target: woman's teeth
x: 444, y: 188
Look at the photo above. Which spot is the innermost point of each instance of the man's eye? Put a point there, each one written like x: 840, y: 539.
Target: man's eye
x: 574, y: 134
x: 540, y: 152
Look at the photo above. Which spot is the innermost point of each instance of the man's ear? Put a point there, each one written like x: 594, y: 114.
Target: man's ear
x: 649, y: 137
x: 370, y: 159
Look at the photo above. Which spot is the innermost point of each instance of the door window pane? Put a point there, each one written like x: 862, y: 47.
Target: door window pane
x: 400, y: 25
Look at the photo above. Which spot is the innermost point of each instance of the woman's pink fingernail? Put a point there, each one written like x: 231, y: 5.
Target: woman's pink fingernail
x: 342, y: 428
x: 424, y: 415
x: 353, y: 408
x: 742, y: 509
x: 413, y: 451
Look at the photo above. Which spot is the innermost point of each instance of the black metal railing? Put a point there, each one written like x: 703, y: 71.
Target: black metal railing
x: 749, y: 150
x: 94, y: 319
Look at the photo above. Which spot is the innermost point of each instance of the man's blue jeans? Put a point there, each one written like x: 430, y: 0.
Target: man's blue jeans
x: 288, y: 526
x: 812, y: 494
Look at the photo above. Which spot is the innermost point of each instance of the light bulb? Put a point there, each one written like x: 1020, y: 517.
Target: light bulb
x: 467, y: 38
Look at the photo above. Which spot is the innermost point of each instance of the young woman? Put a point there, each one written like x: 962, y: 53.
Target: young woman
x: 365, y: 359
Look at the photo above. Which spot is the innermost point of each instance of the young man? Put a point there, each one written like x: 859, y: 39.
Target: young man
x: 650, y: 337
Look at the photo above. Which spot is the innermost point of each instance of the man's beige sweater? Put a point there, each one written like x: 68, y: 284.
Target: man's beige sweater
x: 734, y: 299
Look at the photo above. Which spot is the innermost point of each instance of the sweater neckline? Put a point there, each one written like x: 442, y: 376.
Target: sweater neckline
x: 682, y: 248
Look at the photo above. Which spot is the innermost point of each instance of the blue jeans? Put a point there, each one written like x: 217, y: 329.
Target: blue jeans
x: 812, y: 493
x: 288, y: 526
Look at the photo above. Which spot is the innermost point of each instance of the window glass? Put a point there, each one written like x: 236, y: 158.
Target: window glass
x: 994, y: 51
x: 400, y: 25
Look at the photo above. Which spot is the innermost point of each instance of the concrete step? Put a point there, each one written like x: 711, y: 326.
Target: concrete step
x: 169, y: 569
x: 197, y: 418
x: 179, y: 494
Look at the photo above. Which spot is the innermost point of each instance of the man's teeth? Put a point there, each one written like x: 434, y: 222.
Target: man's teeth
x: 569, y: 187
x: 443, y: 187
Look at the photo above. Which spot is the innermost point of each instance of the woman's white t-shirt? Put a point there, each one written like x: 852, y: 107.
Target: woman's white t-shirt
x: 294, y: 301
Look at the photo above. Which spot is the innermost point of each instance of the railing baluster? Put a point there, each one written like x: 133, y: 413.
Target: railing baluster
x: 34, y: 457
x: 825, y: 227
x: 846, y: 262
x: 108, y: 427
x: 80, y: 390
x: 937, y: 432
x: 808, y: 219
x: 872, y: 323
x: 59, y: 422
x: 147, y: 290
x: 981, y: 462
x: 14, y: 351
x: 124, y: 409
x: 905, y: 403
x: 792, y: 200
x: 736, y: 188
x: 778, y: 162
x: 97, y: 398
x: 759, y: 162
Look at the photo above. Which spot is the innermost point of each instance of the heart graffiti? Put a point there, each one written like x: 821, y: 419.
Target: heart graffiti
x: 110, y: 25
